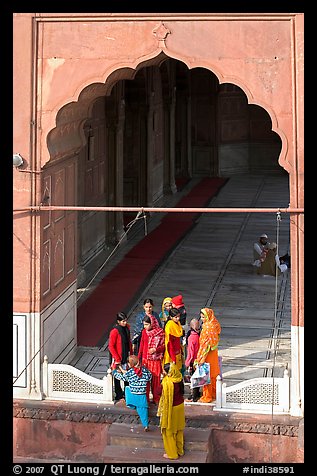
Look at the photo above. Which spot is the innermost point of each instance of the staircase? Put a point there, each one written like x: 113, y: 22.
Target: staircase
x: 130, y: 444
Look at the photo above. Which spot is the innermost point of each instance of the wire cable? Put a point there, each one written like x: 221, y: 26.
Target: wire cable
x: 129, y: 226
x: 275, y: 330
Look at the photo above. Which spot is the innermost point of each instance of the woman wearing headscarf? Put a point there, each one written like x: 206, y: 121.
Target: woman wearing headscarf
x: 166, y: 306
x: 120, y: 348
x: 138, y: 326
x: 173, y: 333
x: 208, y: 351
x: 151, y: 354
x: 172, y: 412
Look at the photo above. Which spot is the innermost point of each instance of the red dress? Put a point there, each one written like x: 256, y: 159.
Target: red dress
x: 153, y: 338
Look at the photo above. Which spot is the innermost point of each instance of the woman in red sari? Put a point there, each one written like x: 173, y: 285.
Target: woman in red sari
x: 151, y: 354
x: 208, y: 351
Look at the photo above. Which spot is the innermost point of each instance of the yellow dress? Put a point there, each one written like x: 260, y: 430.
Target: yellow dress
x: 173, y: 333
x: 172, y: 418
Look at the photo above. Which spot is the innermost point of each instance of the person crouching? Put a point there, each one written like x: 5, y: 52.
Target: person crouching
x: 135, y: 392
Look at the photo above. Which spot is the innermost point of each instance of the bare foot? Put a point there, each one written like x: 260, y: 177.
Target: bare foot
x: 146, y: 428
x: 166, y: 456
x: 120, y: 402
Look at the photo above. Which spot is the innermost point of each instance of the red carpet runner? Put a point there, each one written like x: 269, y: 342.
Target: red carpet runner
x: 96, y: 314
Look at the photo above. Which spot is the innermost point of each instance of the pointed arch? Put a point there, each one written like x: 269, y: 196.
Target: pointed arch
x: 67, y: 136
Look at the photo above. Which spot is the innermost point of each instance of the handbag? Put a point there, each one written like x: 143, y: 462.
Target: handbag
x: 201, y: 376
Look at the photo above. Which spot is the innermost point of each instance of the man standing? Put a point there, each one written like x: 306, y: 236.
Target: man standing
x: 260, y: 249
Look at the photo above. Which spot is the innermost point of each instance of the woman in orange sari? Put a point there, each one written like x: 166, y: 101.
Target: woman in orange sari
x: 208, y: 351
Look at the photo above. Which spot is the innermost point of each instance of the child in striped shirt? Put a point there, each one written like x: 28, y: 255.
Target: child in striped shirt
x: 135, y: 393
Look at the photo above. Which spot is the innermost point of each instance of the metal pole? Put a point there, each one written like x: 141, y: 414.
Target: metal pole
x: 39, y: 208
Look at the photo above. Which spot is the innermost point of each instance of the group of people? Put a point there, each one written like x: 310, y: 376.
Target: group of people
x: 266, y: 259
x: 154, y: 361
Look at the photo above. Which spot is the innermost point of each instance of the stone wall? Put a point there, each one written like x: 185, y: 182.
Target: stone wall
x: 78, y: 432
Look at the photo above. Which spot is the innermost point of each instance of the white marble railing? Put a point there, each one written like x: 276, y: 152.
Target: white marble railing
x: 257, y: 395
x: 64, y: 382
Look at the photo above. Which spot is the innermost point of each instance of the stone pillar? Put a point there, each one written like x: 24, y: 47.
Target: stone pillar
x: 150, y: 147
x: 166, y: 124
x: 189, y: 137
x: 297, y: 296
x: 172, y: 141
x: 119, y: 168
x: 27, y: 324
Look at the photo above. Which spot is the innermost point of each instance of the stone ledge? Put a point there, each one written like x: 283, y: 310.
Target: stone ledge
x: 200, y: 416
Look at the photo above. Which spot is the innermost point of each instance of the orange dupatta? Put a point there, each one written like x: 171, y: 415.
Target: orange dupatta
x: 209, y: 335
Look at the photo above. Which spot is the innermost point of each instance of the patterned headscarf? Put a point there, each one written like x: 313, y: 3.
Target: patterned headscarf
x: 164, y: 311
x: 209, y: 335
x: 165, y: 407
x: 165, y: 300
x: 156, y: 337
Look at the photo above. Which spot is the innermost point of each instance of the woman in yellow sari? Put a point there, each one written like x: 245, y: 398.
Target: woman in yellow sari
x: 172, y: 412
x: 208, y: 351
x: 173, y: 333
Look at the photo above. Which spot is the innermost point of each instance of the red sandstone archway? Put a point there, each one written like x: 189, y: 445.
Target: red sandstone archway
x: 71, y: 138
x: 67, y: 137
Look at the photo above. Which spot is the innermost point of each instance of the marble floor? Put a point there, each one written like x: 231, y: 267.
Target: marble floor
x: 211, y: 267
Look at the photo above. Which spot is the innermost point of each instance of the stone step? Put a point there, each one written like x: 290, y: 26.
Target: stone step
x: 120, y: 454
x: 131, y: 435
x: 129, y: 443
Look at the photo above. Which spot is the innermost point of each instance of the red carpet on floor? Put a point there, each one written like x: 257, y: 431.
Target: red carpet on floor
x: 96, y: 315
